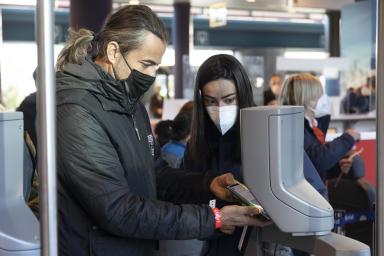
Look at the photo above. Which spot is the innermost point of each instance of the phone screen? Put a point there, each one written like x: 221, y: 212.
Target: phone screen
x: 245, y: 196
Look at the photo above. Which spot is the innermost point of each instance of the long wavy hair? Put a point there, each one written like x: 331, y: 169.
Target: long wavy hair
x: 128, y: 26
x: 220, y: 66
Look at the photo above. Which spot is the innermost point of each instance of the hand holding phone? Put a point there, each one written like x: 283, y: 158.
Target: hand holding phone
x: 242, y: 193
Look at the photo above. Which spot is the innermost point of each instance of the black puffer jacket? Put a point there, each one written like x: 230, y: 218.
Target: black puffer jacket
x: 108, y: 186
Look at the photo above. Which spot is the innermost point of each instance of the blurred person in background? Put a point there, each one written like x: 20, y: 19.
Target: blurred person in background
x: 28, y: 107
x: 108, y: 185
x: 273, y: 92
x: 180, y: 131
x: 31, y: 183
x: 338, y: 158
x: 187, y: 107
x: 163, y: 129
x: 360, y: 100
x: 162, y: 132
x: 156, y: 102
x: 306, y: 90
x: 354, y: 169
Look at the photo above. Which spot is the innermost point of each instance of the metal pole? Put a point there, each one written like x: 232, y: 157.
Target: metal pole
x: 47, y: 121
x: 180, y: 32
x: 1, y: 57
x: 379, y: 228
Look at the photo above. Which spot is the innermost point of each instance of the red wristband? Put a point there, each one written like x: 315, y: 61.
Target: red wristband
x: 218, y: 221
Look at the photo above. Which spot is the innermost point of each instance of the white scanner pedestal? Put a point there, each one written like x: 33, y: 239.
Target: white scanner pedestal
x: 19, y: 228
x: 272, y: 163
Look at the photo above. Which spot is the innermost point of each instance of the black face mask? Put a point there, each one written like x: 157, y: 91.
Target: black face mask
x: 137, y: 83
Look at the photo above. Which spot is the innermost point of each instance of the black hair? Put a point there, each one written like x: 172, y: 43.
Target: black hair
x: 181, y: 126
x: 219, y: 66
x: 163, y: 132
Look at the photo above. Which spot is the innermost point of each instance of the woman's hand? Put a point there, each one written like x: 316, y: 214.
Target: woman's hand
x: 219, y: 187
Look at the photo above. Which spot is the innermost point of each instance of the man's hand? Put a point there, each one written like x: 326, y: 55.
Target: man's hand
x: 219, y: 186
x: 238, y: 216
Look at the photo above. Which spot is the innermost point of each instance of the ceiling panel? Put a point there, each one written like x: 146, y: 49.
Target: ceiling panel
x: 325, y: 4
x: 272, y: 5
x: 231, y: 4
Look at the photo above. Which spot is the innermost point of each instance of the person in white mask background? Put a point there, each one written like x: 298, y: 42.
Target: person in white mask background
x: 222, y: 88
x: 329, y: 158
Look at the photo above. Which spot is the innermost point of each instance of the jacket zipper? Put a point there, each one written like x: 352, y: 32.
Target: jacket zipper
x: 135, y: 127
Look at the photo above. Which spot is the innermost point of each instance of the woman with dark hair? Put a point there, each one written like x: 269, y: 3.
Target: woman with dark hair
x: 222, y: 88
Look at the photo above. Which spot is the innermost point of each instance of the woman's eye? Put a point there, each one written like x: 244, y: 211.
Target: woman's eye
x: 230, y: 101
x: 210, y: 102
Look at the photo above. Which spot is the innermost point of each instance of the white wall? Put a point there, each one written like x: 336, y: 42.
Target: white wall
x: 18, y: 61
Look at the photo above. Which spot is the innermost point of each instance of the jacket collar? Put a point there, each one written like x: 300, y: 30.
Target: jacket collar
x: 91, y: 77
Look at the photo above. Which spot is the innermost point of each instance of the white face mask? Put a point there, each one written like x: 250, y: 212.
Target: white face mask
x: 365, y: 91
x: 223, y: 117
x: 323, y: 107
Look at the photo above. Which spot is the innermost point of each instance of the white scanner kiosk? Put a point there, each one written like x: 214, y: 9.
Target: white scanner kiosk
x: 272, y: 147
x: 19, y: 228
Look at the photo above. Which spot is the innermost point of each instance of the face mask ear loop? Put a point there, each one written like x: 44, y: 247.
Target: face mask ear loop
x: 126, y: 62
x: 114, y: 73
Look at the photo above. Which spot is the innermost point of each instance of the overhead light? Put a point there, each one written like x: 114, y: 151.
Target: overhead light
x: 199, y: 11
x: 284, y: 15
x: 303, y: 21
x: 305, y: 55
x: 259, y: 82
x: 18, y: 2
x: 309, y: 10
x: 134, y: 2
x: 162, y: 8
x: 316, y: 16
x: 250, y: 1
x: 242, y: 13
x: 196, y: 56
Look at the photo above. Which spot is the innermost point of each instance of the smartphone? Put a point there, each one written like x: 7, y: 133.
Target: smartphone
x: 245, y: 196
